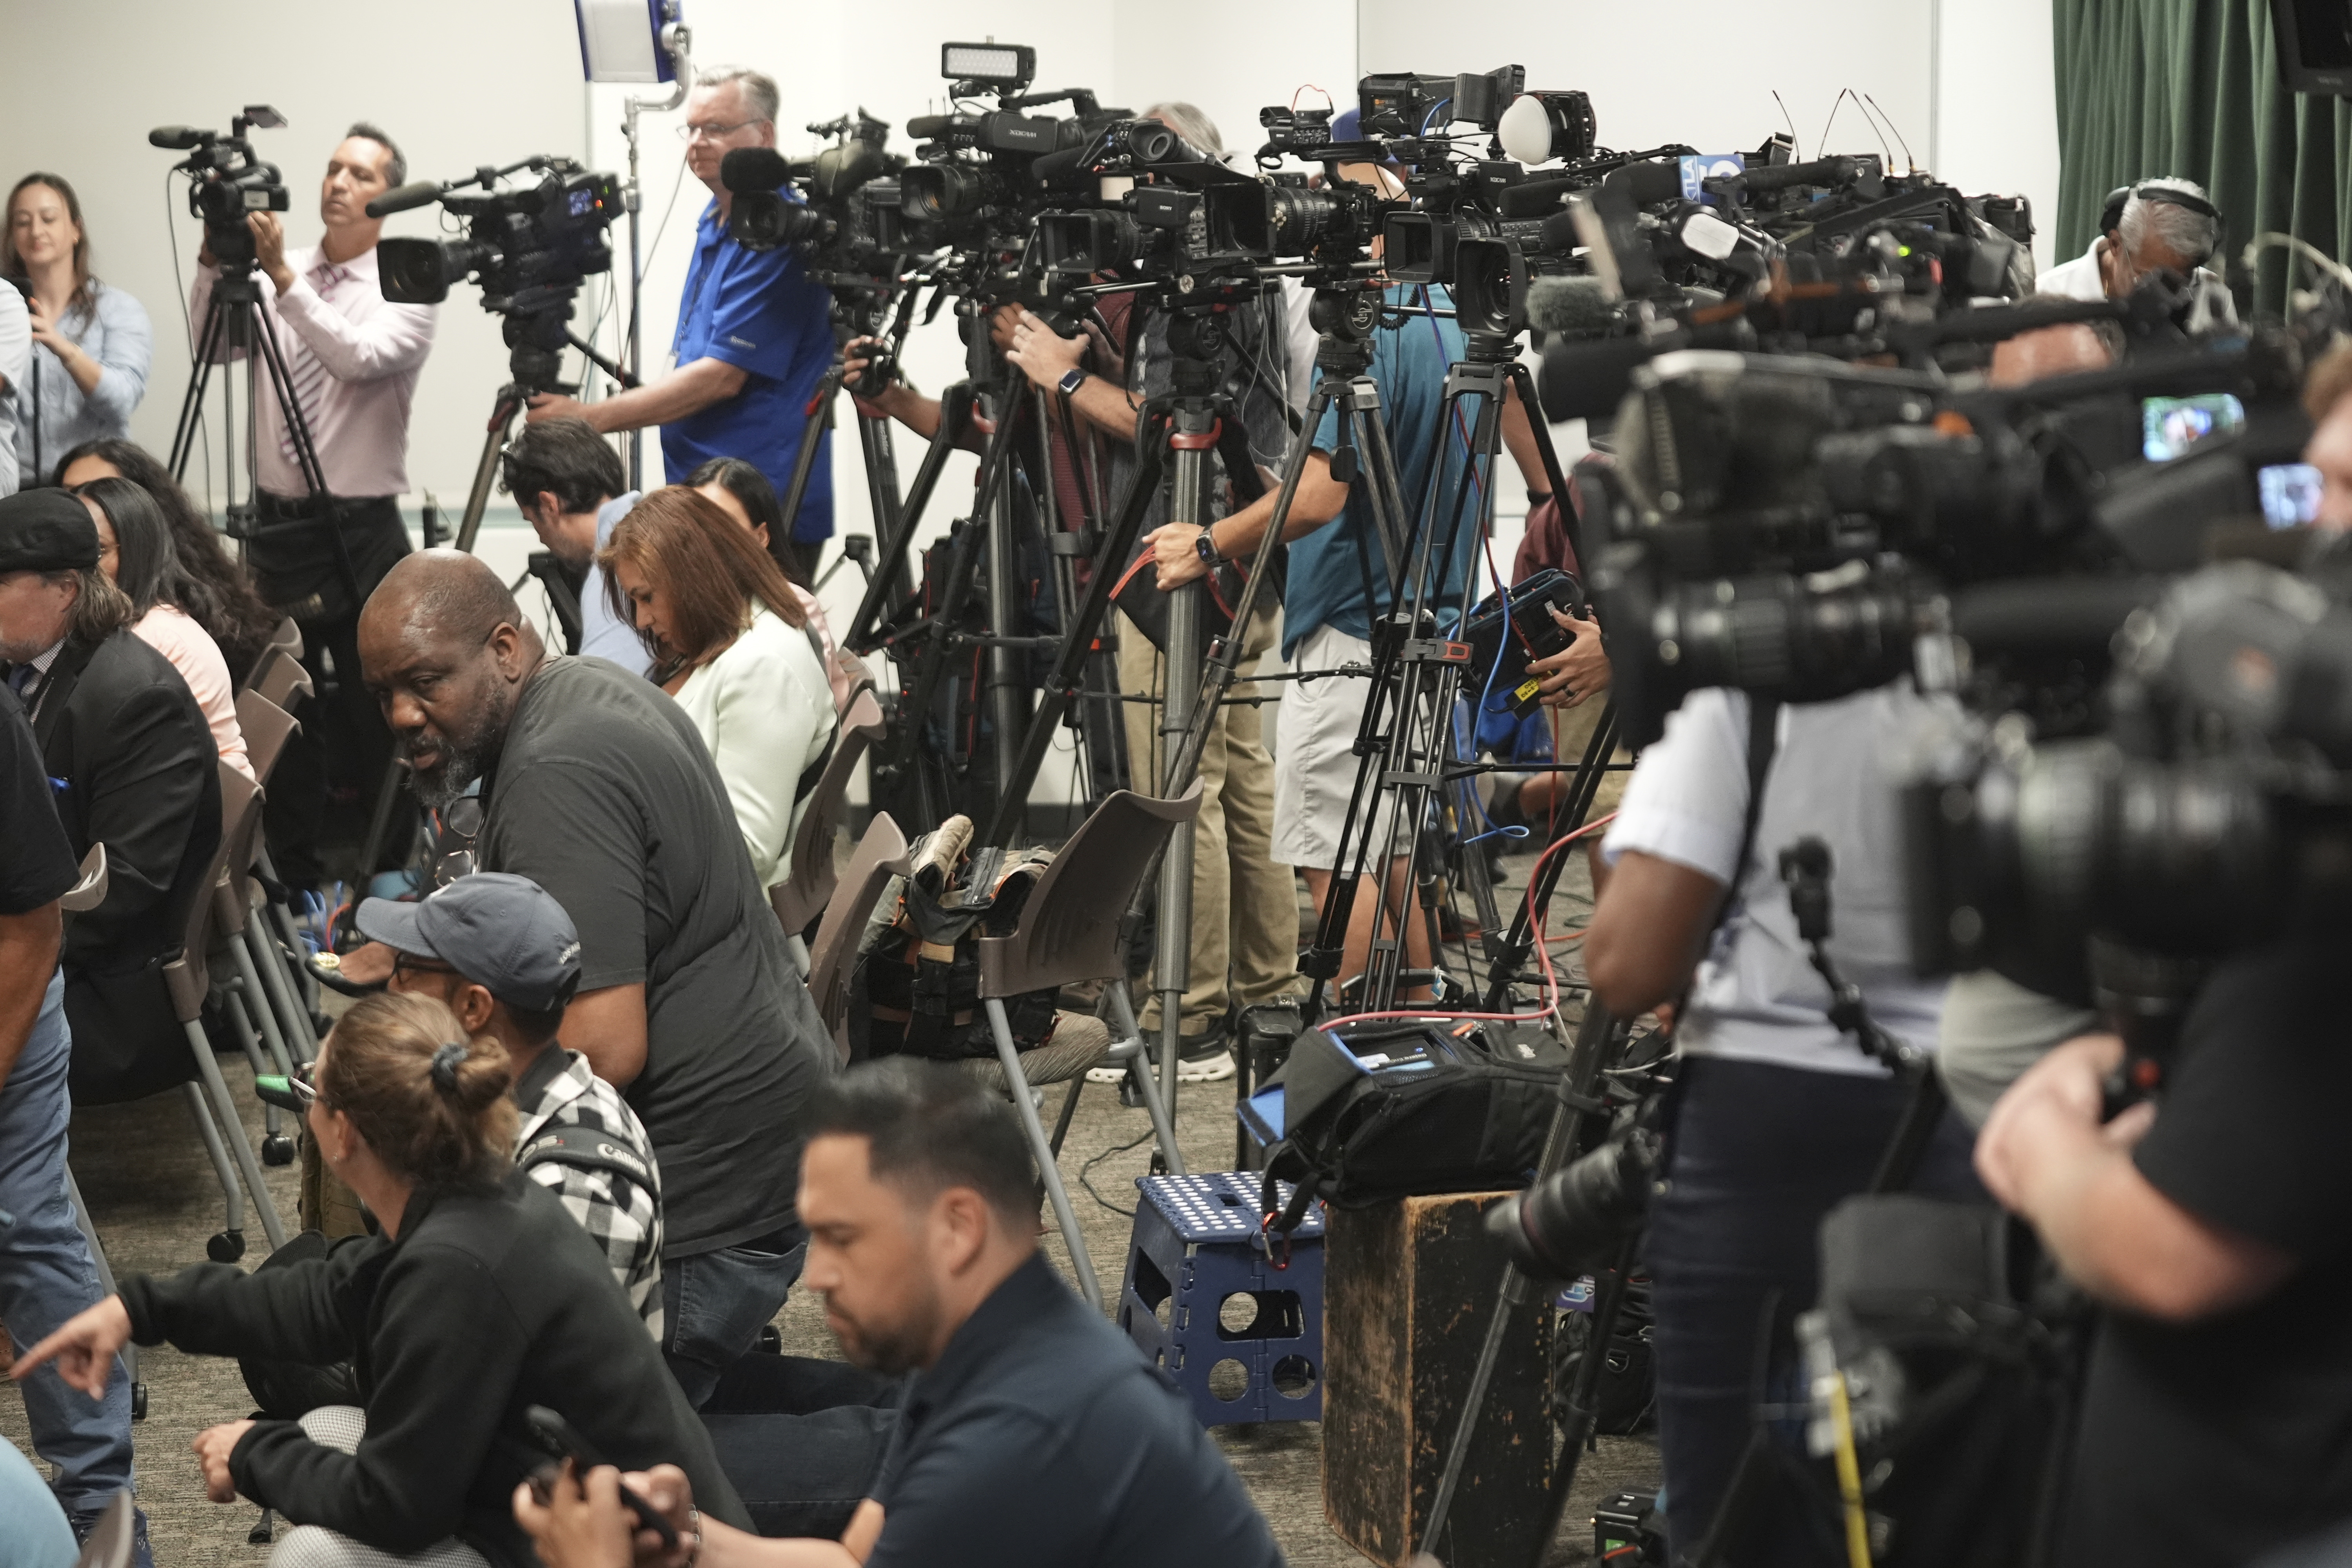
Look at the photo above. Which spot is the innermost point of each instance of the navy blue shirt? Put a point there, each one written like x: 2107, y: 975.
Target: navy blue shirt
x: 1043, y: 1438
x: 1410, y: 362
x: 760, y: 311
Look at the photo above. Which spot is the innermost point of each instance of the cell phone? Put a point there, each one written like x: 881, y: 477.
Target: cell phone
x: 548, y: 1432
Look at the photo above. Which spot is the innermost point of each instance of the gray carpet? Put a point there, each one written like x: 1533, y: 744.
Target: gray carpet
x: 155, y: 1202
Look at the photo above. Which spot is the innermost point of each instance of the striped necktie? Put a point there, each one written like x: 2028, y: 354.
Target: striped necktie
x: 304, y: 371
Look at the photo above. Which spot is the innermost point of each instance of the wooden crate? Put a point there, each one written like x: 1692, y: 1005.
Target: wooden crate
x: 1409, y: 1290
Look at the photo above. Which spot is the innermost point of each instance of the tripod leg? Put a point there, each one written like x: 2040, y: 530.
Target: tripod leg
x: 890, y: 568
x: 818, y: 421
x: 486, y: 469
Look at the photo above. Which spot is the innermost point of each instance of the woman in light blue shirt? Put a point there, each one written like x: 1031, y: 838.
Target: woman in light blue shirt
x: 92, y: 345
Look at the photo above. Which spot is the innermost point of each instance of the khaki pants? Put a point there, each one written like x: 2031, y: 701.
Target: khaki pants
x: 1571, y: 732
x: 1244, y: 907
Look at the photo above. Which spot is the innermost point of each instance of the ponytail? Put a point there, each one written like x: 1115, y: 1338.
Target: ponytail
x: 430, y: 1102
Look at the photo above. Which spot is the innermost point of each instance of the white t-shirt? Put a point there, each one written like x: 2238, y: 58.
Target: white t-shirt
x: 1834, y: 773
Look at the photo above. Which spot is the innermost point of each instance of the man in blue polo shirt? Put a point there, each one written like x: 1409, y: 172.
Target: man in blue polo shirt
x: 754, y: 335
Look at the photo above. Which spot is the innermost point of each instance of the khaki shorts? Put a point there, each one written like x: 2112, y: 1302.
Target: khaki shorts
x: 1571, y: 732
x: 1314, y: 761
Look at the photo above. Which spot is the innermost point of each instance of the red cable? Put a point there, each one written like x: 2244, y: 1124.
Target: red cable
x: 1551, y: 981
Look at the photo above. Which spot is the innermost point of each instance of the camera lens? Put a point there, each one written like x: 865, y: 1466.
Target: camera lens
x: 1297, y: 219
x: 1565, y: 1225
x: 1490, y: 287
x: 936, y: 191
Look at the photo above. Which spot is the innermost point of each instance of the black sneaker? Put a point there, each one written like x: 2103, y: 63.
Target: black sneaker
x: 1209, y: 1059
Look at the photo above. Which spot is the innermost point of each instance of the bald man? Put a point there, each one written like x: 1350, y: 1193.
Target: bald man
x: 596, y: 786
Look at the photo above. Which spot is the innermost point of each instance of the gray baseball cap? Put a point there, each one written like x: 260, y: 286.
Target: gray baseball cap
x: 505, y: 934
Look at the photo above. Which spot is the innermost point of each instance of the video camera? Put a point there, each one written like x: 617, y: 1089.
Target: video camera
x: 826, y: 217
x: 530, y: 247
x: 1802, y: 529
x: 227, y: 181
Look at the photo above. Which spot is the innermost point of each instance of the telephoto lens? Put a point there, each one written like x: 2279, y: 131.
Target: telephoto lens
x: 1567, y: 1224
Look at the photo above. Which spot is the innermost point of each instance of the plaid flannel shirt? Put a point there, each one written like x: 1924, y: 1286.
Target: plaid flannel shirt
x: 622, y: 1213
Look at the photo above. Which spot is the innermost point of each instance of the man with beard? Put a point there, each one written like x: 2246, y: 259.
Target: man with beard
x: 596, y: 786
x: 1032, y: 1433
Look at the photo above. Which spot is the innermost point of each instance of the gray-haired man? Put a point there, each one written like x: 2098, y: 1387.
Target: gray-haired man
x: 2165, y: 226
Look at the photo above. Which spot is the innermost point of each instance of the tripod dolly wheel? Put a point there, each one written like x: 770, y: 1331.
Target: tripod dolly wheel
x: 227, y: 1247
x: 139, y: 1402
x: 278, y: 1148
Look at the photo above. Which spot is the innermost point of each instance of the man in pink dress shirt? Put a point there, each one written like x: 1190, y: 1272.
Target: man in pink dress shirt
x: 352, y: 357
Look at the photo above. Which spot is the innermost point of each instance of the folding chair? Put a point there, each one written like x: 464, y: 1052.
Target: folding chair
x: 881, y: 856
x: 806, y: 892
x: 278, y: 677
x: 855, y: 676
x: 188, y: 978
x: 1069, y: 932
x: 267, y: 727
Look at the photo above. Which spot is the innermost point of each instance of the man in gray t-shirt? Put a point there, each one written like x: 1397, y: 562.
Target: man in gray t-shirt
x: 596, y: 788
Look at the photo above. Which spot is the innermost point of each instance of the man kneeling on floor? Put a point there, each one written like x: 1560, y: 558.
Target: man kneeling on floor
x: 1033, y: 1432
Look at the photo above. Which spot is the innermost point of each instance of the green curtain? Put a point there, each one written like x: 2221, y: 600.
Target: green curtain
x: 2190, y: 87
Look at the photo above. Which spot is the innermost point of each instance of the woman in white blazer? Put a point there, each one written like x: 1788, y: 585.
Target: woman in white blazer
x: 730, y: 640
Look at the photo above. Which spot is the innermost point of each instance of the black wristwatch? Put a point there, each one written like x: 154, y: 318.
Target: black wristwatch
x: 1072, y: 379
x: 1207, y: 548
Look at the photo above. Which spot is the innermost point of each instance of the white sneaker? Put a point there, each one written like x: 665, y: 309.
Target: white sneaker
x: 1211, y: 1061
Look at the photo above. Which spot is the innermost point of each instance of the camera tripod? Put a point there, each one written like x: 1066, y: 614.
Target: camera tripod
x: 1417, y: 676
x: 235, y: 319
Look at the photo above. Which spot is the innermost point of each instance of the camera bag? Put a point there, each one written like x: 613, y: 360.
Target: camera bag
x: 916, y: 990
x: 1389, y: 1108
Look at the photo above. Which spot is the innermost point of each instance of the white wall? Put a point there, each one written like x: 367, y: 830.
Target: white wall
x: 455, y: 84
x: 1997, y: 106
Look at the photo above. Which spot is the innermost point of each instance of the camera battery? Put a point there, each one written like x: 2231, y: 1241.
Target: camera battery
x: 1528, y: 634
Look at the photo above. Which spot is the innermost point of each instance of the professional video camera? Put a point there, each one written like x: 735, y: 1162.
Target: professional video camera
x: 1862, y: 264
x: 828, y: 219
x: 1802, y: 529
x: 227, y: 181
x: 2215, y: 812
x: 530, y: 247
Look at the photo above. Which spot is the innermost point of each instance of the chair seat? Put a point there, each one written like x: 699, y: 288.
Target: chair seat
x: 1079, y: 1041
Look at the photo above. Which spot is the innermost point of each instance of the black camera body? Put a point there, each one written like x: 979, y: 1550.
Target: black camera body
x: 824, y: 205
x: 227, y: 181
x: 530, y: 248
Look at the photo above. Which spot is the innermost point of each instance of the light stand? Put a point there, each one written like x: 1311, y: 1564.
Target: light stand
x: 676, y: 40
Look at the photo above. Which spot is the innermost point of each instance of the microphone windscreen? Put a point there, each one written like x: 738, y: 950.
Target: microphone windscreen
x: 2061, y: 616
x: 1588, y: 380
x: 400, y: 199
x: 753, y: 169
x: 178, y: 137
x: 1780, y: 176
x: 1580, y: 307
x: 1536, y: 198
x: 1054, y: 166
x: 1648, y: 183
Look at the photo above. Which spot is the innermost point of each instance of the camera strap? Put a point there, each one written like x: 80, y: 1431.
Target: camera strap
x: 1763, y: 733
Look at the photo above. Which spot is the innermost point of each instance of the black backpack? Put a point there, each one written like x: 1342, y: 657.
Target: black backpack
x: 1392, y: 1108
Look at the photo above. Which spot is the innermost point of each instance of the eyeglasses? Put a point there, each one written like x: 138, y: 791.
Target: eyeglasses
x: 403, y: 963
x: 691, y: 131
x: 303, y: 1082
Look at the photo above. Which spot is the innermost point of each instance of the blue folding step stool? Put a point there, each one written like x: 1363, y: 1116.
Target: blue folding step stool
x: 1199, y: 1242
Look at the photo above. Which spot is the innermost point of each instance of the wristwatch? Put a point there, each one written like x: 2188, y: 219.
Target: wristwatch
x: 1072, y: 379
x: 1206, y: 545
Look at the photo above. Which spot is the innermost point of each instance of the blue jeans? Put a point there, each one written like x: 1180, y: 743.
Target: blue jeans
x: 714, y: 1305
x: 1757, y: 1157
x: 46, y: 1271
